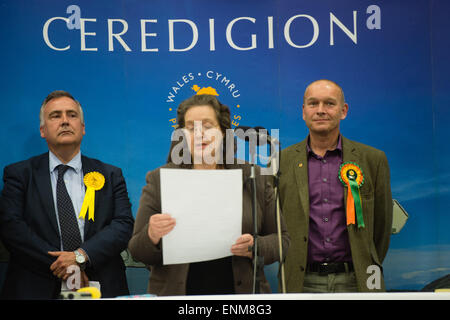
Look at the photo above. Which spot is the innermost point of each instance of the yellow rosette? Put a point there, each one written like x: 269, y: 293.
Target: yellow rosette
x: 94, y: 181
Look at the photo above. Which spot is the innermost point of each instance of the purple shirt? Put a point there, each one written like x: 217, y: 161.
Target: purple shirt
x: 328, y: 237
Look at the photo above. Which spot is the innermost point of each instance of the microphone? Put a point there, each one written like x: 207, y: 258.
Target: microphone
x: 257, y: 135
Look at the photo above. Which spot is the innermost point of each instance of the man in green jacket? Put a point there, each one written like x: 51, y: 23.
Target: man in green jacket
x: 337, y: 203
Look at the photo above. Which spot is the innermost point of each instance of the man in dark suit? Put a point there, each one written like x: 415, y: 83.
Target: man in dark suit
x: 40, y: 206
x: 334, y: 249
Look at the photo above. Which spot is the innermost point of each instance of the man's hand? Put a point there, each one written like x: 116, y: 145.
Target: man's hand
x: 63, y: 261
x: 243, y: 246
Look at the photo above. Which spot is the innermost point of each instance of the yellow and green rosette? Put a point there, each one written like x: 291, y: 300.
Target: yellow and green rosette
x: 351, y: 175
x: 94, y: 181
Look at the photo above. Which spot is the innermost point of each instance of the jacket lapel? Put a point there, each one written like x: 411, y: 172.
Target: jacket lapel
x: 300, y: 168
x: 350, y: 153
x: 44, y: 187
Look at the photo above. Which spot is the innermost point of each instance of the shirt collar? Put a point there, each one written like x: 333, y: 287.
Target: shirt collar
x: 75, y: 163
x: 338, y: 146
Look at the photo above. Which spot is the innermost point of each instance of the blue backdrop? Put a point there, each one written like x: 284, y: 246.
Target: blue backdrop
x: 130, y: 63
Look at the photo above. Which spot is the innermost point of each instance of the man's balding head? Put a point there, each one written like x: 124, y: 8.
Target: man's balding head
x: 329, y: 82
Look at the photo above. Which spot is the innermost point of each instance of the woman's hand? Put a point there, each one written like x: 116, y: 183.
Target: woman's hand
x: 159, y: 225
x: 243, y: 246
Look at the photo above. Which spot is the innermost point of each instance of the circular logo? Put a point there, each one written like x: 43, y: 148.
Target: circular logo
x: 209, y: 82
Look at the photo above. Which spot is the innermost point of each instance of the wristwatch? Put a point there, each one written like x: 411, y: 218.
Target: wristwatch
x: 80, y: 259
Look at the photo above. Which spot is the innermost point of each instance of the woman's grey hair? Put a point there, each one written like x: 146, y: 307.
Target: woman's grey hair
x: 54, y: 95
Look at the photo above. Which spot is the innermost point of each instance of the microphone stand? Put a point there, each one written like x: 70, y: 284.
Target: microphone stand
x: 276, y: 178
x: 258, y: 262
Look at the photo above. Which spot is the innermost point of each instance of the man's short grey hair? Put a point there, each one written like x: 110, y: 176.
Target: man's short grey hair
x: 54, y: 95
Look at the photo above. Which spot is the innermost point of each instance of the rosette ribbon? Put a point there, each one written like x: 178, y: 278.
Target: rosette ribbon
x: 352, y: 176
x: 94, y: 181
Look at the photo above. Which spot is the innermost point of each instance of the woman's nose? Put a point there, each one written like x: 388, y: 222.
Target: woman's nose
x: 198, y: 128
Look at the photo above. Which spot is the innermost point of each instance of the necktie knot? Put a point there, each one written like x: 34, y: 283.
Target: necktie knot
x: 62, y: 170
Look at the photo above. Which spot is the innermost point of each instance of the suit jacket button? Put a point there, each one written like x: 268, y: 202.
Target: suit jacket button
x: 239, y: 282
x: 302, y: 268
x: 305, y: 239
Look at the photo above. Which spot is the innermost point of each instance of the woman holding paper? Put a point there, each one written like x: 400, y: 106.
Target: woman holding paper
x: 203, y: 123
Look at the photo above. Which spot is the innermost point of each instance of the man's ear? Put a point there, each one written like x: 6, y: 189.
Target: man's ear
x: 41, y: 129
x: 344, y: 111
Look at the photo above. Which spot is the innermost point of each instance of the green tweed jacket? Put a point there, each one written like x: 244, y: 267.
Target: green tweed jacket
x: 368, y: 245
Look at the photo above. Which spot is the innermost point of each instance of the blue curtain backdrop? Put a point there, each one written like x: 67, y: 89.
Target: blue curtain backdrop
x: 130, y: 63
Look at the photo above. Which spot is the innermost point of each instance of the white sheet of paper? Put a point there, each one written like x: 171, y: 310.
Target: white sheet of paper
x: 207, y: 206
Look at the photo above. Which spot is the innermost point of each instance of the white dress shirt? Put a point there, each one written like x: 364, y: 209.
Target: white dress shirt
x: 73, y: 179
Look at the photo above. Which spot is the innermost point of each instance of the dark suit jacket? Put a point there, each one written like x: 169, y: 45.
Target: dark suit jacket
x: 28, y: 228
x: 171, y: 279
x: 368, y: 245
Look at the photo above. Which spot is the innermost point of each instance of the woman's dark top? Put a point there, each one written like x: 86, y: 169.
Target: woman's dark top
x: 210, y: 277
